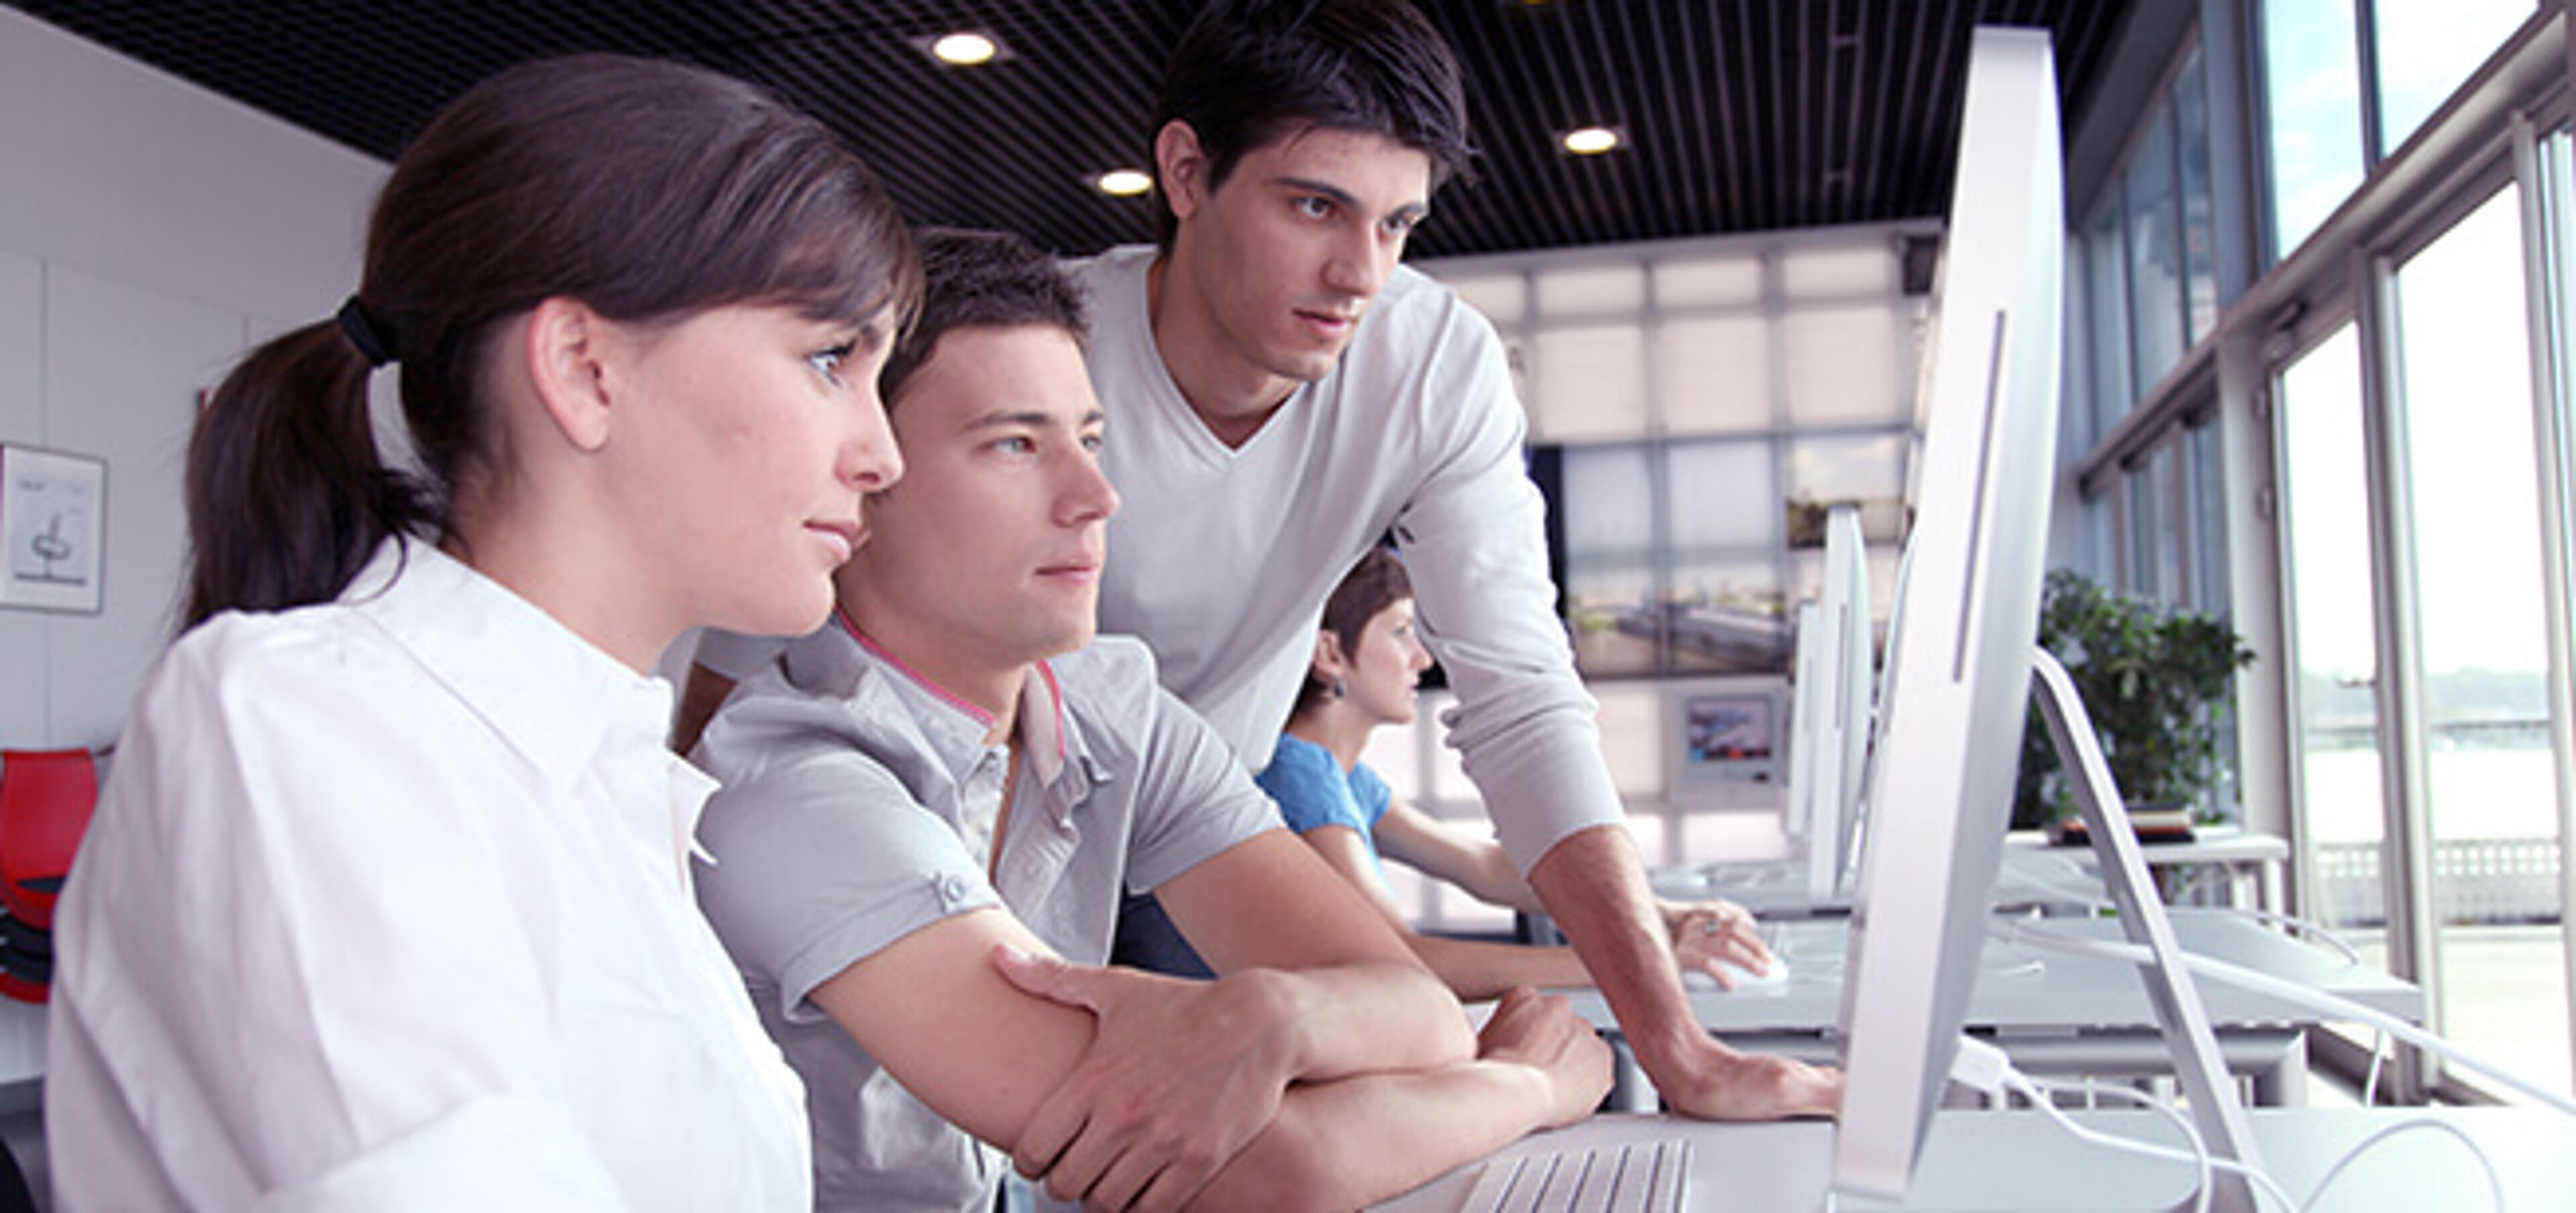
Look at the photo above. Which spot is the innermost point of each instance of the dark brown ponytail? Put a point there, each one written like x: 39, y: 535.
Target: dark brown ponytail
x: 648, y: 190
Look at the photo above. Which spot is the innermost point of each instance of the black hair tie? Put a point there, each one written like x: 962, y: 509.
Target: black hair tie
x: 363, y: 332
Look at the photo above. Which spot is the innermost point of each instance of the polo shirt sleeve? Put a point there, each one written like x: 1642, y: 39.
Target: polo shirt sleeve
x: 821, y: 857
x: 1474, y: 543
x: 1193, y: 799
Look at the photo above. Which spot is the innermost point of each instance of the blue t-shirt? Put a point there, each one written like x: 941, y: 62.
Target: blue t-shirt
x: 1313, y: 791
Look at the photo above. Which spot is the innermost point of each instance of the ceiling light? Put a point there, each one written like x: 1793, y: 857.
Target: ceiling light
x: 1592, y: 140
x: 1123, y: 183
x: 965, y: 48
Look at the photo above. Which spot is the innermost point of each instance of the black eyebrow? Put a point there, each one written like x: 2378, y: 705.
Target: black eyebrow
x: 1411, y: 210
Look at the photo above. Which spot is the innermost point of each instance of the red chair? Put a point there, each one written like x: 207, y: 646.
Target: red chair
x: 46, y: 797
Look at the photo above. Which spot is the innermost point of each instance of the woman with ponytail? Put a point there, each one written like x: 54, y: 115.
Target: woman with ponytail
x: 386, y: 903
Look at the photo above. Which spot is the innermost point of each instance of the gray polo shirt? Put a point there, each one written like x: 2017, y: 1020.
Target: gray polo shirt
x: 840, y: 829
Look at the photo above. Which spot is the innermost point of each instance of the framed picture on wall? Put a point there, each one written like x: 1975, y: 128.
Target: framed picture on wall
x: 53, y: 519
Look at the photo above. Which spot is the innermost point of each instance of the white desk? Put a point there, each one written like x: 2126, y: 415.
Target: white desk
x: 2033, y: 867
x: 2251, y: 861
x: 2018, y: 1160
x: 2059, y: 1013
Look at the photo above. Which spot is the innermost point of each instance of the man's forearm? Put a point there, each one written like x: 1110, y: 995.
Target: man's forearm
x: 1369, y: 1016
x: 1595, y: 888
x: 1340, y: 1145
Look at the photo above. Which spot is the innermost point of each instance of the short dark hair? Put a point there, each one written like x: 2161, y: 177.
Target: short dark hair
x: 1377, y: 582
x: 1246, y: 71
x: 973, y: 279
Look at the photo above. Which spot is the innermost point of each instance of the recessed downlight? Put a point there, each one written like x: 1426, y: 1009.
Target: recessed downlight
x: 1123, y: 182
x: 965, y: 48
x: 1592, y: 140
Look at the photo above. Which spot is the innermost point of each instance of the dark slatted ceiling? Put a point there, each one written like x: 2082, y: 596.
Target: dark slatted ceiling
x: 1744, y: 115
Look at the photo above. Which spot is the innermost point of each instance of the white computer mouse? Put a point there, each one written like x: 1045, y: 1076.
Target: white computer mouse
x: 1701, y: 979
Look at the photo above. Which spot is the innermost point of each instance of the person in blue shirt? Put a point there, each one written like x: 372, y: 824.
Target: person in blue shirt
x: 1367, y: 664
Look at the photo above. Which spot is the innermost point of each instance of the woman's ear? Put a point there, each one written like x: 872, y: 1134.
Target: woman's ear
x: 1329, y: 661
x: 569, y: 350
x: 1181, y: 168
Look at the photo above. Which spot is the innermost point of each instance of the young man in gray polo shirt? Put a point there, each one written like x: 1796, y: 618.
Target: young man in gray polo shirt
x: 1288, y: 393
x: 955, y: 783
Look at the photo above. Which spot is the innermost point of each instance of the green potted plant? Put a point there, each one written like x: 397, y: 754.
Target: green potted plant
x: 2156, y: 682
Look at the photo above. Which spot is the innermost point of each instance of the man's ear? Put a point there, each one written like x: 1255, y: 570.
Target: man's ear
x: 569, y: 353
x: 1181, y: 168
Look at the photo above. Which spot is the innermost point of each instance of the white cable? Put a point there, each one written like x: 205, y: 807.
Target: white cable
x: 2293, y: 992
x: 2370, y: 1081
x: 2038, y: 1094
x: 2495, y: 1183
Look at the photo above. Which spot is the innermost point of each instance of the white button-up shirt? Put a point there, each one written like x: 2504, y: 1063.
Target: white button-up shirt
x: 386, y: 906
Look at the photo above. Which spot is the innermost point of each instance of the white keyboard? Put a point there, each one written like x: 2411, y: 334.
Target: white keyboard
x: 1640, y: 1177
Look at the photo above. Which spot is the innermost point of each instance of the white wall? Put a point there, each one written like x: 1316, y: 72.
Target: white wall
x: 149, y: 231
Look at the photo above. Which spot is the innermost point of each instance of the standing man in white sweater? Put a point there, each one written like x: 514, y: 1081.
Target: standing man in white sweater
x: 1281, y: 393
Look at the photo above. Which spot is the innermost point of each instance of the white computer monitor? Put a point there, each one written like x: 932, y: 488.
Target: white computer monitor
x: 1831, y: 705
x: 1958, y: 674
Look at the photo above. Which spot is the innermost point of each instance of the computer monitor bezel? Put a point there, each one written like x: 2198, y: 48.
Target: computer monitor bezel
x: 1958, y: 665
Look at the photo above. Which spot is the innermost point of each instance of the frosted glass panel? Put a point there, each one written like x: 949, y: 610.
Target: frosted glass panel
x: 1865, y: 270
x: 1503, y: 298
x: 1632, y: 736
x: 1715, y: 281
x: 1609, y: 507
x: 1723, y: 498
x: 1841, y: 365
x: 1592, y: 383
x: 1600, y: 288
x: 1716, y: 375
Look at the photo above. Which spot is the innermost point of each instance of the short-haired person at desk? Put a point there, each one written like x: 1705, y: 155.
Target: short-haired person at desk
x: 1285, y: 393
x: 957, y: 771
x: 386, y: 902
x: 1368, y: 662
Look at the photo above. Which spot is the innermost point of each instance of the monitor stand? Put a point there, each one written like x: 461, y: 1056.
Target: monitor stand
x: 2215, y: 1109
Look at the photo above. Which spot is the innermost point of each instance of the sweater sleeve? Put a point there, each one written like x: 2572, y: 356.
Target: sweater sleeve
x: 1475, y: 545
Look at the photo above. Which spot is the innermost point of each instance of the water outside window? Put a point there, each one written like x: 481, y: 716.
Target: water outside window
x: 2326, y: 502
x: 2463, y: 345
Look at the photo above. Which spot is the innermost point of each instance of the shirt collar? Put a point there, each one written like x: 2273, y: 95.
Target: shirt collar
x: 551, y: 695
x: 1045, y: 740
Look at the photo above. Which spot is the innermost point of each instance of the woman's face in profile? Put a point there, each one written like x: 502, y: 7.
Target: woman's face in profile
x: 753, y: 433
x: 1387, y: 665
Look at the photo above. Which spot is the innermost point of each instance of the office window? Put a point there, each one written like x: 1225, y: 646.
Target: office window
x: 2312, y: 98
x: 2333, y: 635
x: 2106, y: 297
x: 2427, y: 48
x: 2191, y: 160
x: 2465, y: 364
x: 1723, y: 611
x: 2155, y: 252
